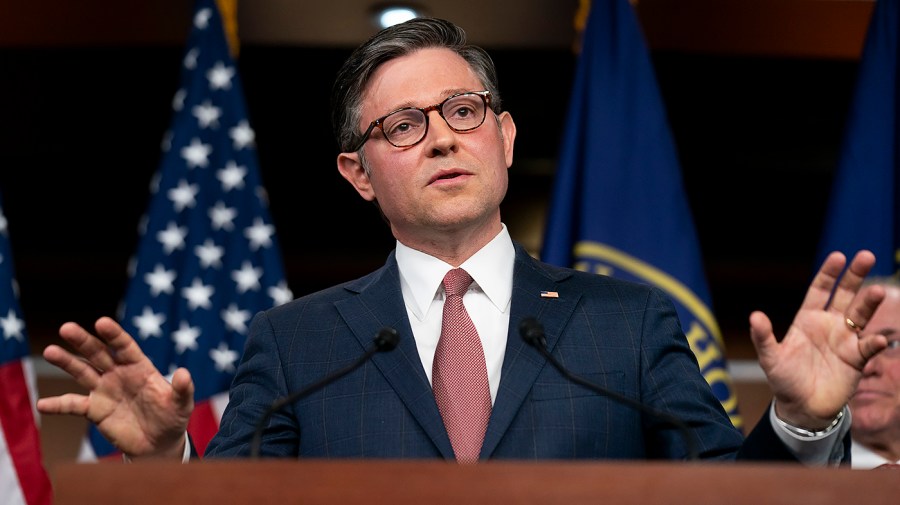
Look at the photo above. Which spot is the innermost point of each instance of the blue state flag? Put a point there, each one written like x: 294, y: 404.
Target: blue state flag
x: 208, y: 257
x: 863, y: 210
x: 618, y: 205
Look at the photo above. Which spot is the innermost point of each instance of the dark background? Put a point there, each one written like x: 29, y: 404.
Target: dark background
x: 81, y: 127
x: 756, y: 90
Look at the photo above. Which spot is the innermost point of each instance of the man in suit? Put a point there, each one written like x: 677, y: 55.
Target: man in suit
x: 875, y: 405
x: 418, y: 118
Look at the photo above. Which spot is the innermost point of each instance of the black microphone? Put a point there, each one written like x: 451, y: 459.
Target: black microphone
x: 385, y: 340
x: 532, y: 332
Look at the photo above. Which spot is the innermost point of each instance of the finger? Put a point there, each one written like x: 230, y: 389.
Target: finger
x: 87, y: 345
x: 864, y: 306
x: 65, y: 404
x: 870, y: 345
x: 183, y: 387
x: 823, y: 283
x: 123, y: 348
x: 852, y: 280
x: 762, y: 336
x: 83, y: 373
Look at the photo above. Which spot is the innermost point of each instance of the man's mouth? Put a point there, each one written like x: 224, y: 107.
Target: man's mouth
x: 448, y: 175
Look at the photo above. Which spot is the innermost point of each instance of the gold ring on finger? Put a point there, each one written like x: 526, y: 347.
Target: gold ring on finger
x: 853, y: 326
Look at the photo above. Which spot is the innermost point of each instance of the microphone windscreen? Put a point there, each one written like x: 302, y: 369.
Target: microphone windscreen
x: 532, y: 331
x: 387, y: 339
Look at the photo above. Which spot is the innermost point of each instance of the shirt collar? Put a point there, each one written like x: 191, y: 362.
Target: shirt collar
x: 863, y: 457
x: 491, y: 269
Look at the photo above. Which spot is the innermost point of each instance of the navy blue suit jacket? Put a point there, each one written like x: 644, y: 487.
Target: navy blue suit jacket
x: 623, y: 336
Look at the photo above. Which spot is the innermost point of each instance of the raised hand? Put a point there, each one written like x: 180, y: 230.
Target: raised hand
x: 815, y: 368
x: 131, y: 403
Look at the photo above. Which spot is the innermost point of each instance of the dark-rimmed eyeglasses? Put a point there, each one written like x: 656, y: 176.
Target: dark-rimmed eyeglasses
x: 408, y: 126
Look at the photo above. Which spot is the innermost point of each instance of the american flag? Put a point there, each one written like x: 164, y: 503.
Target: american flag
x: 208, y: 258
x: 23, y: 478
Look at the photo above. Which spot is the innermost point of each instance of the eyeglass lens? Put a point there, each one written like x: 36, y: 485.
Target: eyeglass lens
x: 407, y: 126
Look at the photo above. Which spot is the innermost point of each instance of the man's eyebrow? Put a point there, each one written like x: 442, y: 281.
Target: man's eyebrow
x: 454, y: 91
x: 444, y: 94
x: 889, y: 332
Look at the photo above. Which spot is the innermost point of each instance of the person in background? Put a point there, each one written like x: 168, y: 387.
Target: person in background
x: 875, y: 406
x: 418, y: 117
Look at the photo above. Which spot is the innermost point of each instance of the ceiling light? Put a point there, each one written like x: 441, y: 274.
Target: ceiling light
x: 389, y: 15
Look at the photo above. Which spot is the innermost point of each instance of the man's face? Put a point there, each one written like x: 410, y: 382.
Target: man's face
x: 876, y: 404
x: 447, y: 182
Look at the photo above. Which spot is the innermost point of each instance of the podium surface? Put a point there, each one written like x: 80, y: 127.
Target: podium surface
x: 394, y: 482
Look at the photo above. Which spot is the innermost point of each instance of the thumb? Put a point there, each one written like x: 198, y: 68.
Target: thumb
x: 761, y: 335
x: 183, y: 387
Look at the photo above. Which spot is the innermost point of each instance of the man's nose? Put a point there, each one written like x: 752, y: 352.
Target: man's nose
x: 440, y: 136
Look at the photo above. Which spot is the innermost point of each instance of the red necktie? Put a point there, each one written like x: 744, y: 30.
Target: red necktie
x: 459, y: 375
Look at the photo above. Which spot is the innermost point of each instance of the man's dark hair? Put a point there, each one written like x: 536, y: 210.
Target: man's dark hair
x: 390, y: 43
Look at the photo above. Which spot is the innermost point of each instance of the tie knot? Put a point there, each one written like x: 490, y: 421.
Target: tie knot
x: 456, y: 282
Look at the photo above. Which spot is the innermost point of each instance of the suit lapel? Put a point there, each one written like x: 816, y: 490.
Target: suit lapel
x: 522, y: 363
x: 380, y: 303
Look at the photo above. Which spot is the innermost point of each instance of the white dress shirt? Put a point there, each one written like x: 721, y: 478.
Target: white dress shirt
x: 487, y: 301
x: 863, y: 458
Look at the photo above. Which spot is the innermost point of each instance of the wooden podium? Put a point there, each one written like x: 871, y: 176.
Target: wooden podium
x: 395, y: 482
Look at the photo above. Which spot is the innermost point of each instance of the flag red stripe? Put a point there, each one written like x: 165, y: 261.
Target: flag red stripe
x: 22, y: 436
x: 203, y: 425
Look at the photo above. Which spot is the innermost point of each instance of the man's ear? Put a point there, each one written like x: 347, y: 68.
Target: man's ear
x: 508, y: 131
x: 351, y: 168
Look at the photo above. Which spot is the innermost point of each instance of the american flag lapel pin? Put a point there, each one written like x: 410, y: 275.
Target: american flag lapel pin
x: 549, y: 294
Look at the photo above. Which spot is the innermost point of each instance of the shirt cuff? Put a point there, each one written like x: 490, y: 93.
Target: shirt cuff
x: 185, y: 456
x: 819, y: 449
